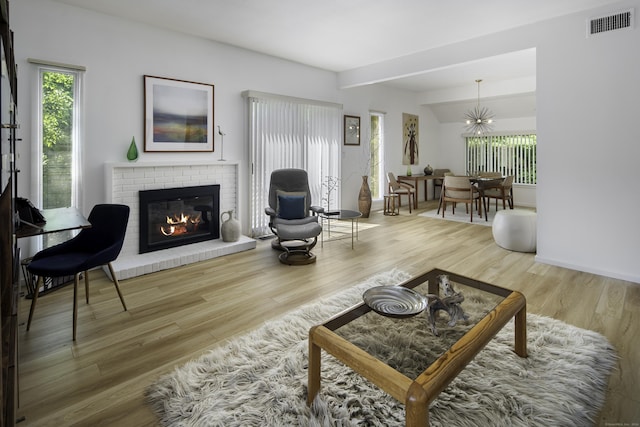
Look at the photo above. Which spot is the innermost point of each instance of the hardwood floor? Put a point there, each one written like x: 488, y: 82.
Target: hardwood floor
x: 178, y: 314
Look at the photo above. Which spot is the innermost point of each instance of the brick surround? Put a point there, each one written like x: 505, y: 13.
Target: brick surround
x: 124, y: 180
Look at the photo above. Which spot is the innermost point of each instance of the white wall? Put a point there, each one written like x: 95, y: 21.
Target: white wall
x: 588, y: 103
x: 360, y: 101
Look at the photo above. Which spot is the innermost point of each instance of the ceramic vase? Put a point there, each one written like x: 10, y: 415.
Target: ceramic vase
x: 364, y: 198
x: 230, y: 228
x: 428, y: 170
x: 132, y: 153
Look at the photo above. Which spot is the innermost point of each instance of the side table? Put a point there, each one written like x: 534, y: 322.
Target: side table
x: 341, y: 214
x: 391, y: 204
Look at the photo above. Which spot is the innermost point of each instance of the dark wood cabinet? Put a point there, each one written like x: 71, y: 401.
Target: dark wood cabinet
x: 9, y: 252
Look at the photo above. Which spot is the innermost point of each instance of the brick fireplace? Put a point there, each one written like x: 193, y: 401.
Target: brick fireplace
x: 124, y: 181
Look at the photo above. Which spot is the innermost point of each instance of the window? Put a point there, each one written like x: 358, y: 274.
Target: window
x: 58, y: 140
x: 376, y: 165
x: 510, y: 154
x: 287, y: 132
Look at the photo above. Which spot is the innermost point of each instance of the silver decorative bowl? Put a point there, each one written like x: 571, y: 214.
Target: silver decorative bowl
x: 395, y: 301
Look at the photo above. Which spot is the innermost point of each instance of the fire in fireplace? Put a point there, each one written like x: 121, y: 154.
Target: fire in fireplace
x: 178, y: 216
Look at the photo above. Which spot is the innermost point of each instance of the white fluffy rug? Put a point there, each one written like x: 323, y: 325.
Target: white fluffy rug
x: 462, y: 215
x: 260, y: 379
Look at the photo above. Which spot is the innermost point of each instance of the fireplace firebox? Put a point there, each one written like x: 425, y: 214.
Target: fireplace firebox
x: 178, y: 216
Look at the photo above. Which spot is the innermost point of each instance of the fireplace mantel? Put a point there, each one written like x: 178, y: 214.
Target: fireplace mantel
x: 123, y: 181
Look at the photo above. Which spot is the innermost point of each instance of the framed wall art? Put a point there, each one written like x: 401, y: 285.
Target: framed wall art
x: 178, y: 115
x: 351, y: 130
x: 410, y: 139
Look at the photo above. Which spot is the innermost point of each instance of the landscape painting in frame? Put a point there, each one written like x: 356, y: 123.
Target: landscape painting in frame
x: 178, y: 115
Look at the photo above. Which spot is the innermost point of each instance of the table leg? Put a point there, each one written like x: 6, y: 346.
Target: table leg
x: 486, y: 207
x: 417, y: 407
x: 486, y: 211
x: 313, y: 386
x: 352, y: 234
x: 521, y: 332
x: 352, y: 230
x: 426, y: 186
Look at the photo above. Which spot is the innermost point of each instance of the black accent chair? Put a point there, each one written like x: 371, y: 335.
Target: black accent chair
x: 92, y: 247
x: 292, y: 218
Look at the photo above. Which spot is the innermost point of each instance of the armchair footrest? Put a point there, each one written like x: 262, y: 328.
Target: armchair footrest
x: 297, y: 232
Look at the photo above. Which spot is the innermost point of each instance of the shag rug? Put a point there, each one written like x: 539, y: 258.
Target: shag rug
x: 260, y: 378
x: 461, y: 215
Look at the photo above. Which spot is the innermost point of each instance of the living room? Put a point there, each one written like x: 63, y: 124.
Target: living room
x: 586, y: 91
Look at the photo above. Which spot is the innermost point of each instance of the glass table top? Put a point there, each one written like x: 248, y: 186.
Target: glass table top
x: 408, y: 344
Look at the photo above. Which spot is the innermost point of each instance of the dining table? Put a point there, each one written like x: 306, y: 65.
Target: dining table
x: 415, y: 179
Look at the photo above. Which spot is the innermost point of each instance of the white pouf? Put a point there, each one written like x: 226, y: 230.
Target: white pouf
x: 515, y: 230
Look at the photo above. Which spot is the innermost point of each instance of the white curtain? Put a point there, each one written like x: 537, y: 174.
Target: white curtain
x: 287, y: 132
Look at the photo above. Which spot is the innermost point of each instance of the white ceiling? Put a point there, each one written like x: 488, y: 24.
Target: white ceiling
x: 340, y: 35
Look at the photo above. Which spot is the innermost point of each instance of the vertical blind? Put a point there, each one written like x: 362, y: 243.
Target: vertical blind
x: 512, y: 154
x: 287, y: 132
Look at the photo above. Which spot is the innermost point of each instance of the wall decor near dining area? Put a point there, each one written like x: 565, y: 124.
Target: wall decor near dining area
x: 178, y: 115
x: 410, y: 139
x: 351, y: 130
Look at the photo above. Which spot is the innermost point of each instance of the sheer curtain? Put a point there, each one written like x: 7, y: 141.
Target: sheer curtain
x: 287, y: 132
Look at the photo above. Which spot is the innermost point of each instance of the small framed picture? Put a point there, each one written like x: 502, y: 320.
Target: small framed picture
x: 178, y: 115
x: 351, y: 130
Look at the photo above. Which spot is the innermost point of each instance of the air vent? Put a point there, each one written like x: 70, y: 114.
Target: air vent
x: 613, y: 22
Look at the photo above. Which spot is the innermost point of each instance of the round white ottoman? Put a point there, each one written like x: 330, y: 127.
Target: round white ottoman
x: 515, y: 230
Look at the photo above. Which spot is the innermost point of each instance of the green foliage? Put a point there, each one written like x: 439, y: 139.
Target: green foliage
x: 57, y: 130
x: 374, y: 159
x: 57, y: 108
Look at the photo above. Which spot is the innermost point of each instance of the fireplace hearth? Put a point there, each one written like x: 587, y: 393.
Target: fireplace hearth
x: 178, y: 216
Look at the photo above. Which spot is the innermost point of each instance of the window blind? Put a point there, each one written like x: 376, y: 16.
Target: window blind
x: 287, y: 132
x: 510, y: 154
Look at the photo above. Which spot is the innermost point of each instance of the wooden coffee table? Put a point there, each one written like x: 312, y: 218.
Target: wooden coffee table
x: 417, y: 391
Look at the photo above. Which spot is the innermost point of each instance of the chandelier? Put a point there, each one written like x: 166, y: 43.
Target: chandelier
x: 479, y: 120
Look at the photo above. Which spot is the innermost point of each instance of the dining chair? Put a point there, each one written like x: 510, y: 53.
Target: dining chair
x: 458, y: 189
x: 503, y: 192
x: 402, y: 189
x: 93, y: 247
x: 434, y: 191
x: 437, y: 182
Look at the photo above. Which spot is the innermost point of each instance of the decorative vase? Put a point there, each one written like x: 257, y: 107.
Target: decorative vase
x: 364, y: 198
x: 409, y: 170
x: 428, y: 170
x: 230, y: 228
x: 132, y: 153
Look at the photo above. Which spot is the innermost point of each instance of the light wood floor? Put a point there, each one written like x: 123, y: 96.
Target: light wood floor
x: 178, y: 314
